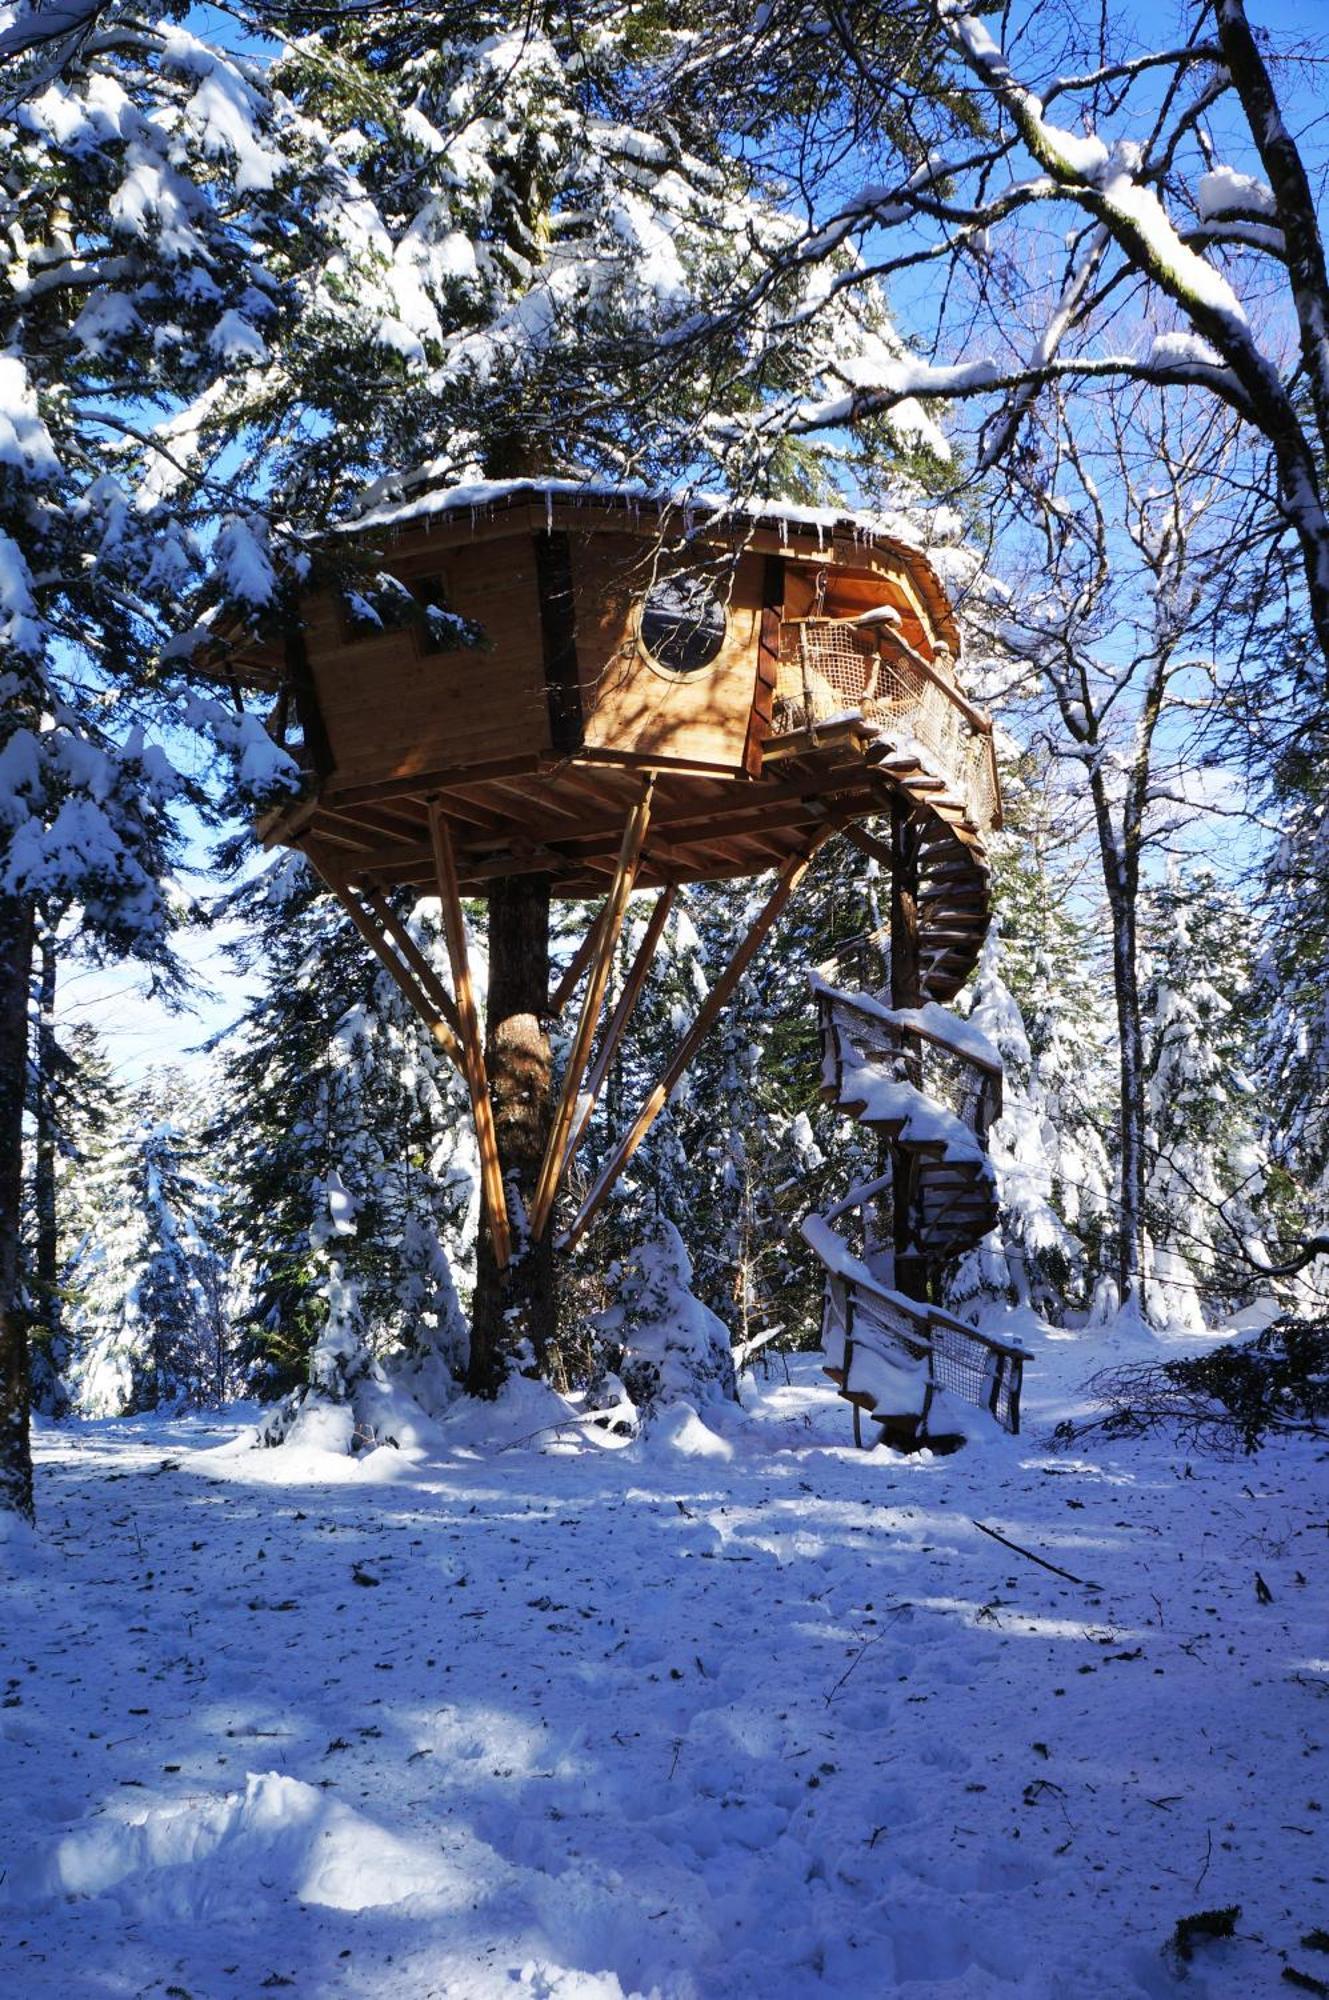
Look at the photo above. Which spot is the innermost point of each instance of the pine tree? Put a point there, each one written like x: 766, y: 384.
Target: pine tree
x: 662, y: 1344
x: 1207, y: 1161
x: 1291, y: 996
x: 1042, y: 999
x: 350, y: 1178
x: 131, y: 299
x: 1032, y: 1258
x: 141, y: 1283
x: 74, y: 1102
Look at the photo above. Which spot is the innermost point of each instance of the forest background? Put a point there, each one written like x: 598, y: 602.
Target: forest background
x: 1060, y: 313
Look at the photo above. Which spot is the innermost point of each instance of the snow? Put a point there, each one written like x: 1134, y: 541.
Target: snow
x: 888, y: 1101
x: 412, y: 495
x: 25, y: 442
x: 545, y: 1714
x: 931, y: 1019
x: 1223, y: 191
x: 235, y: 340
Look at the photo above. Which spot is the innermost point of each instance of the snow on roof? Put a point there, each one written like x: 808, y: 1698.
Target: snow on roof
x: 392, y: 501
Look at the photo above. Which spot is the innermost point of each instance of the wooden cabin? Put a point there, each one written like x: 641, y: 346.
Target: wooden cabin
x: 610, y: 635
x: 549, y: 679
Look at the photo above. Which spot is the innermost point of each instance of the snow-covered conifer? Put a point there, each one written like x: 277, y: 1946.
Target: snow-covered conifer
x: 1207, y: 1164
x: 350, y: 1180
x: 141, y: 1319
x: 660, y: 1341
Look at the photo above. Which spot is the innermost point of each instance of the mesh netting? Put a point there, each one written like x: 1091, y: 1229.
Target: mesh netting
x: 964, y: 1365
x: 829, y: 665
x: 947, y: 1075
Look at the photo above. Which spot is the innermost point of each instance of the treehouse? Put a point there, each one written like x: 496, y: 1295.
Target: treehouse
x: 539, y: 678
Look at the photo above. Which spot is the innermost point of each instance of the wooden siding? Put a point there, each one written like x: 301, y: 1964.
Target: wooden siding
x: 392, y: 709
x: 634, y: 708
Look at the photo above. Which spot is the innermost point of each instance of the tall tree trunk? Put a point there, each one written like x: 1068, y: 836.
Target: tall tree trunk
x: 16, y: 926
x: 1120, y: 852
x: 520, y: 1304
x: 1130, y: 1041
x: 46, y: 1261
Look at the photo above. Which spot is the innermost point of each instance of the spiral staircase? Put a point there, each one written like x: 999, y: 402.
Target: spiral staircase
x: 921, y: 1080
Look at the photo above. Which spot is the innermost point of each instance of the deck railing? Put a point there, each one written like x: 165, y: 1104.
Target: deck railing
x: 955, y: 1078
x: 864, y: 1321
x: 833, y: 666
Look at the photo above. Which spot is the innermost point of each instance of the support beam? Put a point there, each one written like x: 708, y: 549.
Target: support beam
x: 414, y: 957
x: 434, y: 1017
x: 454, y: 927
x: 875, y: 850
x: 625, y: 874
x: 581, y: 958
x: 788, y: 880
x: 627, y: 1001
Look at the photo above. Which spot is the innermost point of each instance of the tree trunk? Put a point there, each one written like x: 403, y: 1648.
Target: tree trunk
x: 16, y: 925
x: 46, y: 1260
x: 1130, y: 1037
x: 520, y: 1304
x: 1120, y: 856
x: 911, y: 1270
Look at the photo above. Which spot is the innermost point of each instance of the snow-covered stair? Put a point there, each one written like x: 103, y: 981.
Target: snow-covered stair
x: 929, y: 1086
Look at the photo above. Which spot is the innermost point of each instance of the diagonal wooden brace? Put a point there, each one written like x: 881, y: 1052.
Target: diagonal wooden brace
x: 611, y: 921
x: 415, y: 958
x: 581, y: 958
x: 622, y: 1014
x: 787, y: 881
x: 477, y: 1081
x: 434, y: 1007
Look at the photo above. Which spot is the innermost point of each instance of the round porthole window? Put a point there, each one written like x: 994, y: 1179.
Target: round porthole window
x: 682, y: 623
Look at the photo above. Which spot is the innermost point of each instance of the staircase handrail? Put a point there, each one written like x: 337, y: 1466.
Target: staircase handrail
x: 840, y: 1260
x: 903, y: 1029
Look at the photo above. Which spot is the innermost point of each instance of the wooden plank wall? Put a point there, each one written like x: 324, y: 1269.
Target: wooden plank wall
x: 392, y: 709
x: 631, y: 705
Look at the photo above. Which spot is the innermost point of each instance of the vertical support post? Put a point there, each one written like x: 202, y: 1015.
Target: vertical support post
x: 477, y: 1082
x: 911, y: 1269
x: 625, y: 874
x: 792, y: 873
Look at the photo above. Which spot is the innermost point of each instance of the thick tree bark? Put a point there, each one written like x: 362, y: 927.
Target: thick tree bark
x: 46, y: 1259
x: 521, y: 1303
x: 16, y: 926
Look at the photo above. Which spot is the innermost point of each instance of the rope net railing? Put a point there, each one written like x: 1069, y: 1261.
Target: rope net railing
x: 860, y: 1318
x: 832, y: 666
x: 853, y: 1030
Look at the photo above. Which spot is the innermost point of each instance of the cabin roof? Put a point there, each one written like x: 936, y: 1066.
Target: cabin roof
x: 414, y: 500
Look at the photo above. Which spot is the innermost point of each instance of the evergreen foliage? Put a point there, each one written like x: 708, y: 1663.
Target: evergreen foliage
x: 349, y: 1168
x: 1206, y: 1156
x: 143, y: 1283
x: 76, y: 1106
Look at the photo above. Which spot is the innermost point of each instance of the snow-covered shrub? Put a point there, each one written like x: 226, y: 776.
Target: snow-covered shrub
x: 661, y: 1342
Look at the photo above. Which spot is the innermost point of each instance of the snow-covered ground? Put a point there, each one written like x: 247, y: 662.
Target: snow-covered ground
x: 739, y: 1714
